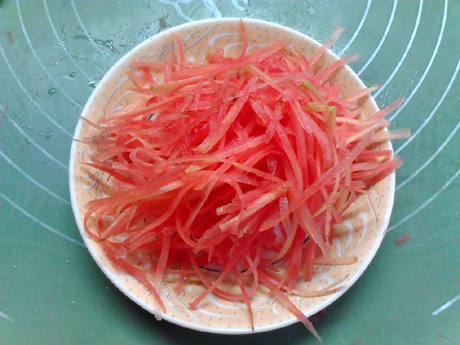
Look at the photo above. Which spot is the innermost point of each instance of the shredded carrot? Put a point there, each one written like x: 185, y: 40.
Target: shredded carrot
x: 227, y: 161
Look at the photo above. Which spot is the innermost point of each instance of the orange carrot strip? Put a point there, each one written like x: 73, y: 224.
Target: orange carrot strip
x: 264, y: 278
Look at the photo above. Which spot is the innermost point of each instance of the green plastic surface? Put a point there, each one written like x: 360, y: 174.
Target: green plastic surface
x: 52, y: 53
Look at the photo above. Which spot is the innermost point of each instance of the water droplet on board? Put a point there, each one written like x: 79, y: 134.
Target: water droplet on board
x: 81, y: 37
x: 92, y: 84
x: 162, y: 23
x: 72, y: 75
x: 52, y: 91
x: 107, y: 43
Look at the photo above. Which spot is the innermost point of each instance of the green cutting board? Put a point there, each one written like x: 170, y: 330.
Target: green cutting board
x: 53, y: 53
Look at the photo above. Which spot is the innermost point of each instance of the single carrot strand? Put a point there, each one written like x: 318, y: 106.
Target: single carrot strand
x: 264, y: 278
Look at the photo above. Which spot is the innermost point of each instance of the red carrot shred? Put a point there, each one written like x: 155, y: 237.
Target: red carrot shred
x: 226, y: 161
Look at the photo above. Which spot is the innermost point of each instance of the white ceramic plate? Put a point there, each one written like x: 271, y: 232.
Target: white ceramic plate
x: 360, y: 235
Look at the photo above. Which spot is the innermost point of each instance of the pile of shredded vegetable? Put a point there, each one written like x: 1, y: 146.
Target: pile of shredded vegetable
x: 226, y: 171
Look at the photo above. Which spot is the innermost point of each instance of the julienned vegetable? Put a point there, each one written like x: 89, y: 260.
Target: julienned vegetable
x: 235, y: 171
